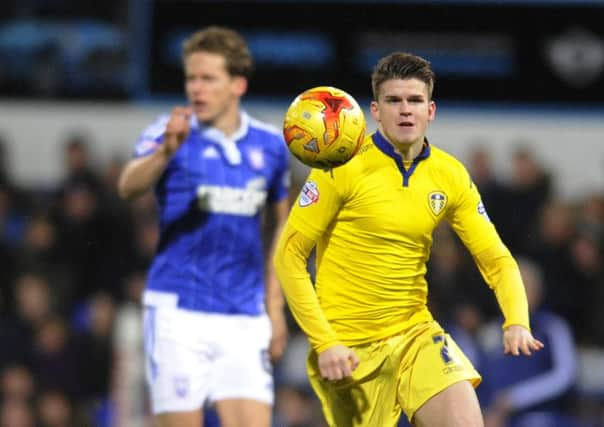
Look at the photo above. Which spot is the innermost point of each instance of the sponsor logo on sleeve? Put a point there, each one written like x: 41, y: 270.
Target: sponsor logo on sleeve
x: 483, y: 211
x: 309, y: 194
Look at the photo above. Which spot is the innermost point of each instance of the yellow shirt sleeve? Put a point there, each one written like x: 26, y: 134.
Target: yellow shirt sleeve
x: 290, y: 262
x: 501, y: 272
x: 470, y: 221
x: 319, y: 202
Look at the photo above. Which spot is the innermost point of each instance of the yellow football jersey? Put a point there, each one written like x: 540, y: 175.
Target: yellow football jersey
x: 373, y: 219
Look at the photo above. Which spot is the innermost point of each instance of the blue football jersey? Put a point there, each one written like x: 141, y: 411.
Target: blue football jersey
x: 210, y: 255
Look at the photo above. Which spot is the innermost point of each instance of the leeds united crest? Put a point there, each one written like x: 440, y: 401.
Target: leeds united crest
x: 437, y: 200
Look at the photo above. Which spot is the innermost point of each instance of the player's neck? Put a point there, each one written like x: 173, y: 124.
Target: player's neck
x: 409, y: 151
x: 229, y: 121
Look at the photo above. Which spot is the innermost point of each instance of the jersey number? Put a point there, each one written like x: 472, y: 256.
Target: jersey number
x: 444, y: 350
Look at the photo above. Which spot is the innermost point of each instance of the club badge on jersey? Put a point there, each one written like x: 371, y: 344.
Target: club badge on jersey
x: 437, y: 201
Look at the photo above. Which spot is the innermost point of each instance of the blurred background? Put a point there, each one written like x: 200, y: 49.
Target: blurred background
x: 520, y: 100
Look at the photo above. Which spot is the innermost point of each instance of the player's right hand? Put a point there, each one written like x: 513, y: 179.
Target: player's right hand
x: 337, y: 362
x: 177, y: 129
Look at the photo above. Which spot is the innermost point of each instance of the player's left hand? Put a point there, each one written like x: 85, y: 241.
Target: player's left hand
x: 279, y: 334
x: 517, y: 339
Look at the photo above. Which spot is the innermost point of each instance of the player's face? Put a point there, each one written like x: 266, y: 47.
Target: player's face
x: 403, y: 111
x: 213, y: 93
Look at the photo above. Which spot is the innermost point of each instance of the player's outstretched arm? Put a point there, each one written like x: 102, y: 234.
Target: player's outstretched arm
x: 337, y: 362
x: 139, y: 175
x: 517, y: 339
x: 501, y: 272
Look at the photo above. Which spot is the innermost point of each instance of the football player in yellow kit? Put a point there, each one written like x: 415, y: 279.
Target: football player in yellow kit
x: 376, y: 349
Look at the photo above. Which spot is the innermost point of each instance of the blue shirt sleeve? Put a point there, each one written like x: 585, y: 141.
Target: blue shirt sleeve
x: 151, y: 138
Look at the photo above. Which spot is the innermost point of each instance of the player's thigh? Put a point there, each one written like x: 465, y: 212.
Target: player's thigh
x: 455, y: 406
x: 369, y: 398
x: 178, y: 364
x: 357, y: 405
x: 243, y: 413
x: 242, y: 367
x: 179, y: 419
x: 432, y: 365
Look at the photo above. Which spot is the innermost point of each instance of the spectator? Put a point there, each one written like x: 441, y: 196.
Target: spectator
x: 78, y: 167
x: 17, y: 383
x: 39, y: 254
x: 517, y: 391
x: 55, y: 409
x: 95, y: 344
x: 16, y: 413
x: 527, y: 192
x: 550, y: 249
x: 33, y: 304
x: 85, y: 235
x: 587, y: 284
x: 493, y: 192
x: 54, y: 357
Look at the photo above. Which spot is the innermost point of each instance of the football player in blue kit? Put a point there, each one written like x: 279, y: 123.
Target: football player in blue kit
x: 214, y: 314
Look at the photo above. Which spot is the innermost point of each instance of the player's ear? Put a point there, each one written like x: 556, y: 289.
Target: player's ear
x: 239, y: 85
x: 431, y: 110
x: 375, y: 112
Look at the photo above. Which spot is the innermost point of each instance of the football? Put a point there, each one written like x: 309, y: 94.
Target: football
x: 324, y: 127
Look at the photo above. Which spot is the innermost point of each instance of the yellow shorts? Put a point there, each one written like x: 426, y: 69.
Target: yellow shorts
x: 397, y: 373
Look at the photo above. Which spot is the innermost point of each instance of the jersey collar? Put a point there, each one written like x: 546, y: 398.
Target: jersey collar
x: 228, y: 145
x: 216, y: 135
x: 387, y: 148
x: 382, y: 143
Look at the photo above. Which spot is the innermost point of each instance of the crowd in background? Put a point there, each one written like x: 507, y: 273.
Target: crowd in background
x: 74, y: 264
